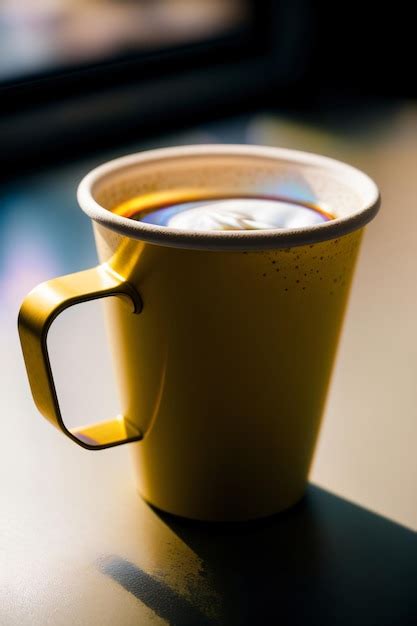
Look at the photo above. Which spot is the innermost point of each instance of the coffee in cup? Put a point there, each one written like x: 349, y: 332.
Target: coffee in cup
x: 186, y: 212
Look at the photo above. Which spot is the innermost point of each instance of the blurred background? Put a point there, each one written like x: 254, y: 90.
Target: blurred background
x: 83, y: 81
x: 142, y: 67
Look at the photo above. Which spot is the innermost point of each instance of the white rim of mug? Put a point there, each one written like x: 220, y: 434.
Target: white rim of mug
x: 231, y: 239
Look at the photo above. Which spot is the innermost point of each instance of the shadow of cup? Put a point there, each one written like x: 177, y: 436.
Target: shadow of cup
x: 325, y: 561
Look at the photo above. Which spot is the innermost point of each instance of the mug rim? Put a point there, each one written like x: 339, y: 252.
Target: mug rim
x: 230, y: 239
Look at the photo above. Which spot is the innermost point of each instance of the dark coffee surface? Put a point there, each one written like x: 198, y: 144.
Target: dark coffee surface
x: 223, y: 213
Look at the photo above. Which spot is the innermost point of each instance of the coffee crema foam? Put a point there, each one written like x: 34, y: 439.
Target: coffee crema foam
x: 220, y: 214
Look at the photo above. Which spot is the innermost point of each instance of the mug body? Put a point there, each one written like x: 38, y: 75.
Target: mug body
x: 226, y: 369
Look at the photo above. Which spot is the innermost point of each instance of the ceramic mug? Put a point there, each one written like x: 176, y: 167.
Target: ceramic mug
x: 223, y: 341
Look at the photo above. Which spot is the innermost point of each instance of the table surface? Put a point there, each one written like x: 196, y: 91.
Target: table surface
x: 78, y: 546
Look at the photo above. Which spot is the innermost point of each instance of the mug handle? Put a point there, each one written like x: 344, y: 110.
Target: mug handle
x: 38, y: 311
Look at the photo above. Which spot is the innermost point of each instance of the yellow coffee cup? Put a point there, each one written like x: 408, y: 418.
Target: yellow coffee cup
x: 223, y: 341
